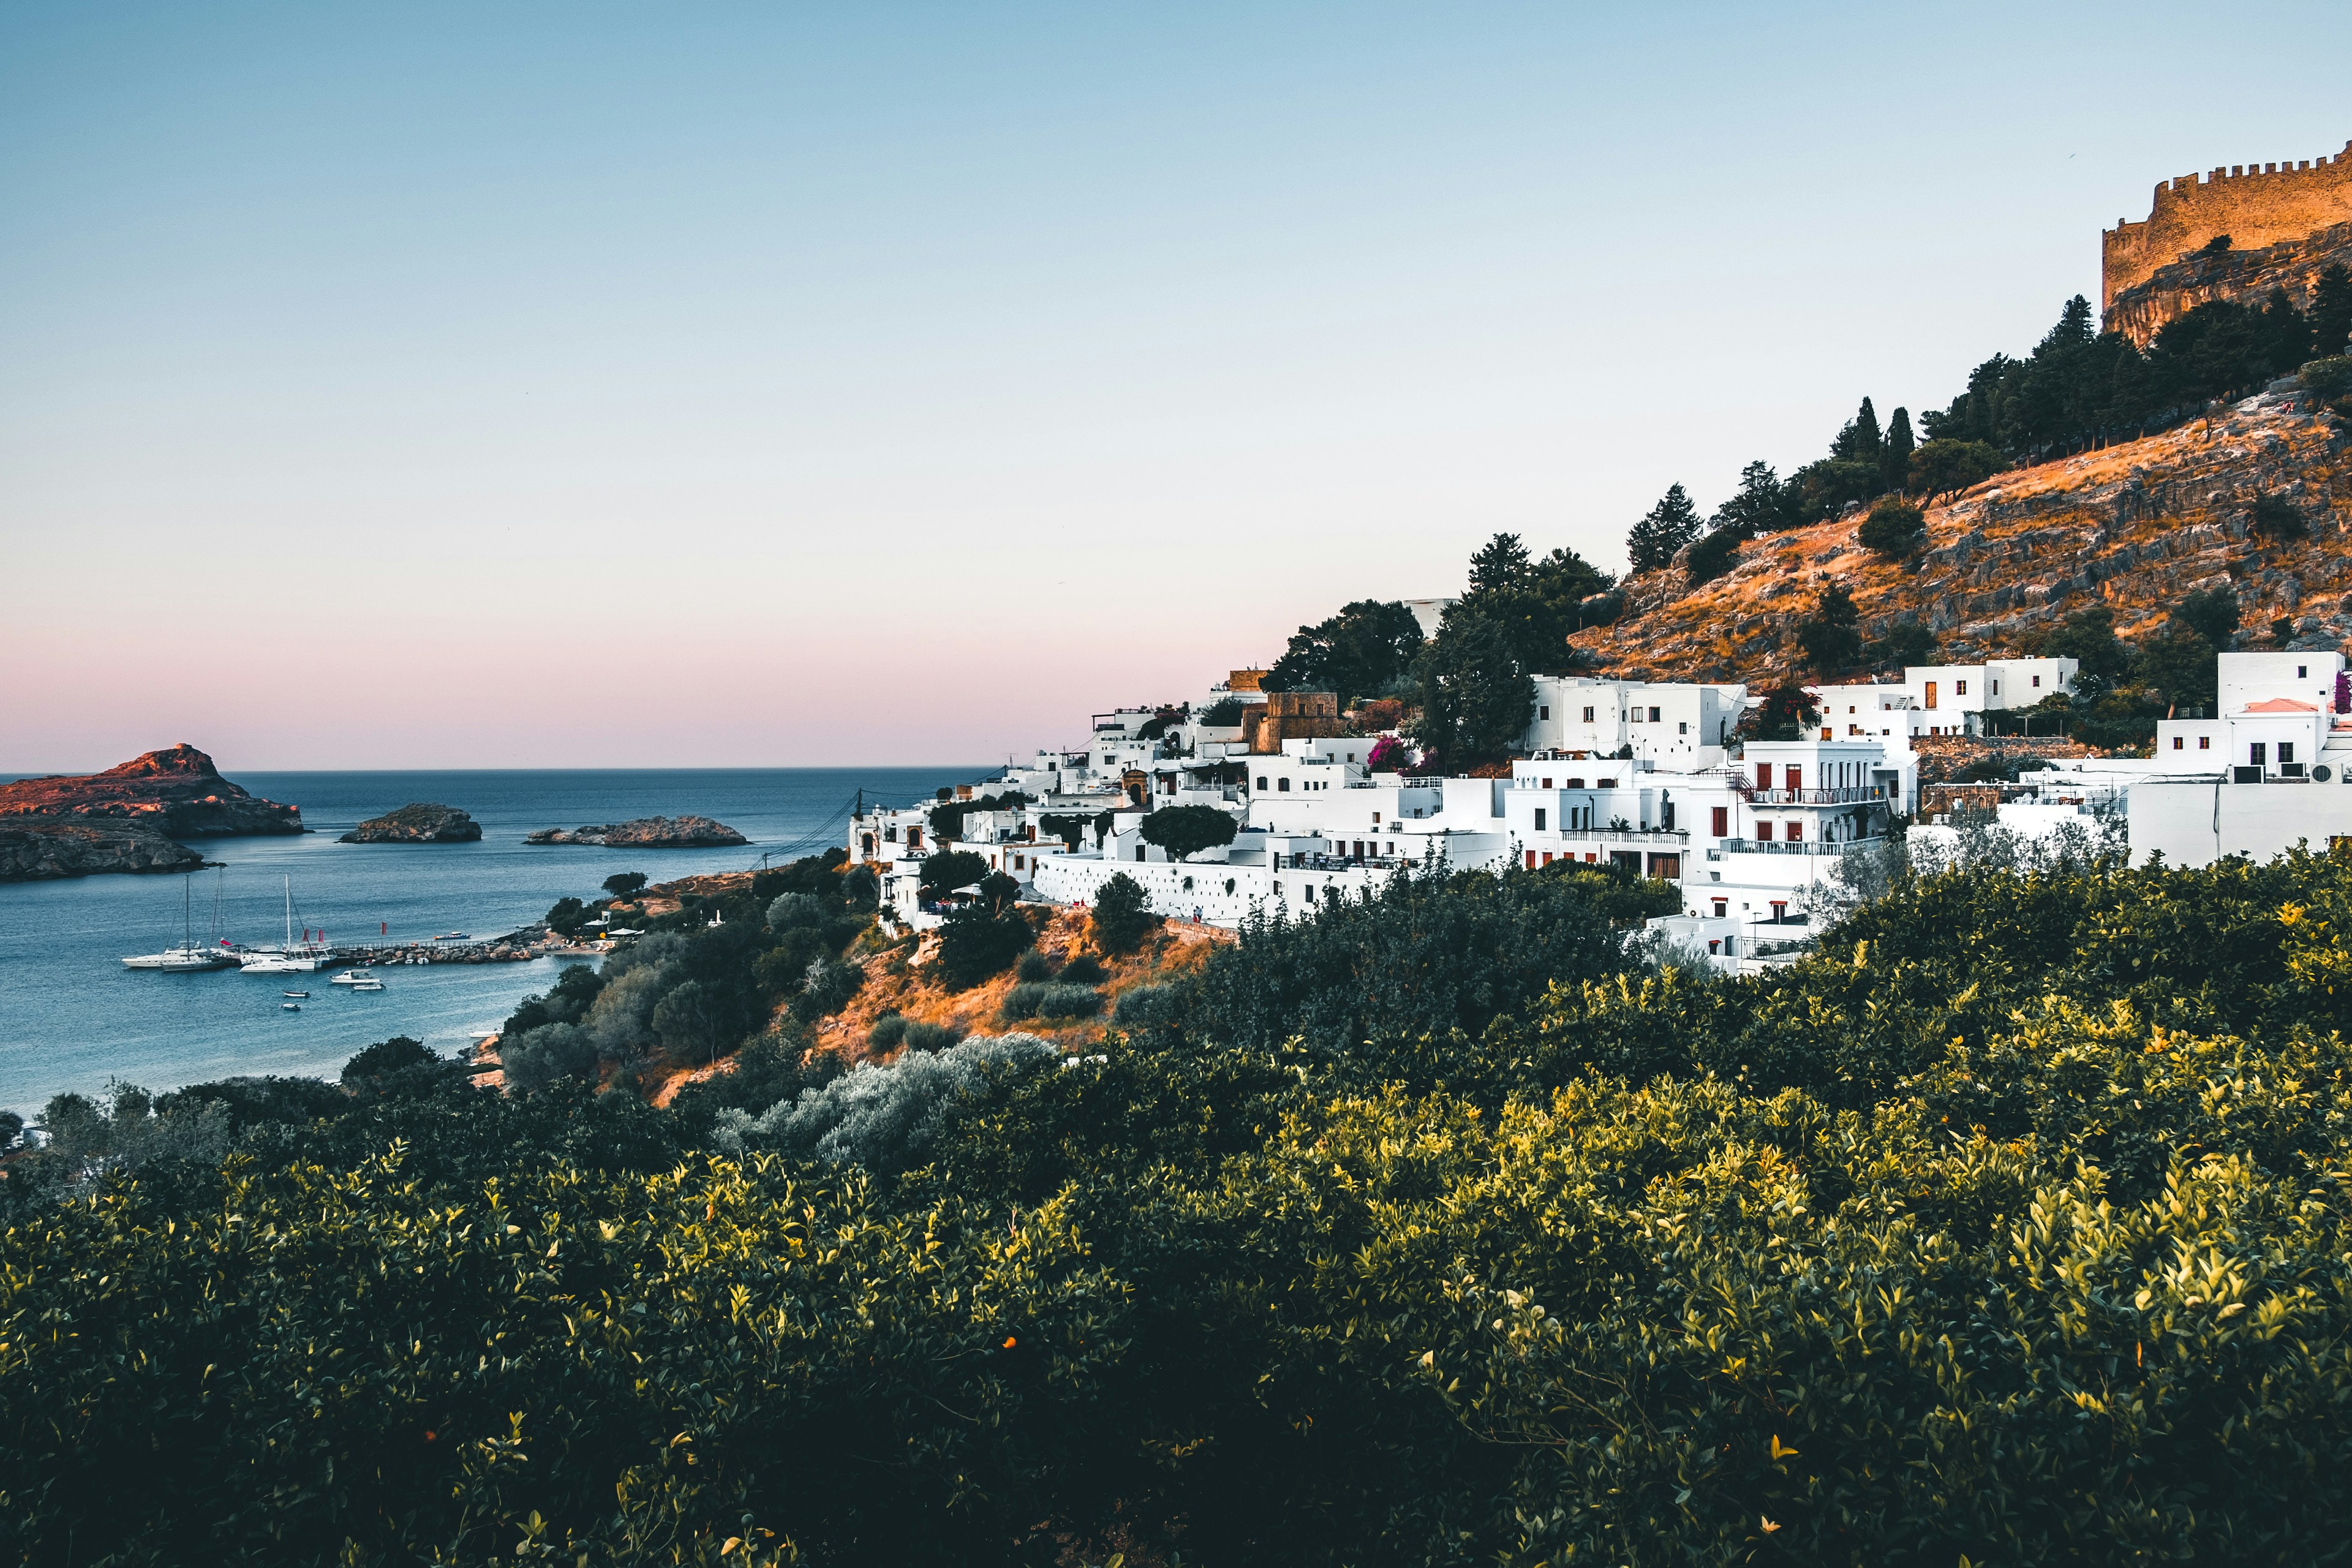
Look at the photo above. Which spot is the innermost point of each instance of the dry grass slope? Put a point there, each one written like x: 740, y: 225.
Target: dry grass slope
x: 2135, y: 527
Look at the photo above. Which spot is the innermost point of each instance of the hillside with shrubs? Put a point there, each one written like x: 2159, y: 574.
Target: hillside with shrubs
x: 2075, y: 502
x: 2011, y: 1226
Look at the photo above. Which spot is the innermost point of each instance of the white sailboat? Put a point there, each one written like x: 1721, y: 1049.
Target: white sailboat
x: 302, y: 958
x: 188, y: 958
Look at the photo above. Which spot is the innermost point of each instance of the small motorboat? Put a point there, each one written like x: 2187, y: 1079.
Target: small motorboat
x: 367, y: 984
x: 353, y: 977
x: 453, y: 936
x: 305, y: 995
x: 291, y: 1006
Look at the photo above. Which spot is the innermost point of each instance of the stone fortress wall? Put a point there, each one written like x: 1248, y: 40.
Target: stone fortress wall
x: 2279, y: 208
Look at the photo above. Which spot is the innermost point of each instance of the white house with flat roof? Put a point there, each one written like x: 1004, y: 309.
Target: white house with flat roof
x: 1671, y: 724
x: 2267, y: 772
x: 1940, y: 698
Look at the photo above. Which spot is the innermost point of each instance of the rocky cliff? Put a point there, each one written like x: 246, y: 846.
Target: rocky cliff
x: 645, y: 833
x: 176, y: 791
x: 420, y: 822
x: 2134, y: 527
x: 36, y: 849
x: 2179, y: 287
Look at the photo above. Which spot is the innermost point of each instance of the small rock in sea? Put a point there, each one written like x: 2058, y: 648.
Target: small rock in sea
x: 420, y: 822
x: 645, y: 833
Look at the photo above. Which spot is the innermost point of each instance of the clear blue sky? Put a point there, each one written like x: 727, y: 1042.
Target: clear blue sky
x: 567, y: 384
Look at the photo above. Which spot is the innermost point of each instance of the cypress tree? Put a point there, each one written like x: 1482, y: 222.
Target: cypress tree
x: 1894, y: 462
x: 2331, y: 313
x: 1860, y: 441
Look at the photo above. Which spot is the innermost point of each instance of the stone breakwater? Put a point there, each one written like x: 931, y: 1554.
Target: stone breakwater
x: 520, y: 947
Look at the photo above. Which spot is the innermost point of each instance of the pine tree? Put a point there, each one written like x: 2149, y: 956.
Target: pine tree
x: 2331, y: 313
x: 2074, y: 329
x: 1831, y: 639
x: 1762, y: 505
x: 1666, y: 528
x: 1895, y: 459
x: 1501, y: 564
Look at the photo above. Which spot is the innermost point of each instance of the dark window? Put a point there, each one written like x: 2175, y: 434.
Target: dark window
x: 2258, y: 754
x: 1282, y: 788
x: 1544, y: 711
x: 1540, y: 819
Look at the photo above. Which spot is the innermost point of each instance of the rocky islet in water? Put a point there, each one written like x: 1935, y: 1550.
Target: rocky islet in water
x: 419, y: 822
x: 645, y: 833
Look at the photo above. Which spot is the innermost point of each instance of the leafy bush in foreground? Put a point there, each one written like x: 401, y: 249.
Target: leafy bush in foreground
x: 2013, y: 1227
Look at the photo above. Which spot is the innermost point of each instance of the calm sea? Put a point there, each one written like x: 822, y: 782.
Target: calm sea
x: 71, y: 1018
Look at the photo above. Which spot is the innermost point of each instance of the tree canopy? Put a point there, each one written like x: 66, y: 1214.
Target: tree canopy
x: 1186, y: 831
x: 1361, y: 652
x: 1475, y: 696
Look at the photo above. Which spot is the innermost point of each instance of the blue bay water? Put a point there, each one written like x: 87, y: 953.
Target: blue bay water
x: 71, y: 1018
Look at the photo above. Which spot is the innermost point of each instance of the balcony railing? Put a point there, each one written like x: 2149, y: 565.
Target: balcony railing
x: 1626, y: 835
x: 1852, y: 794
x: 1781, y: 846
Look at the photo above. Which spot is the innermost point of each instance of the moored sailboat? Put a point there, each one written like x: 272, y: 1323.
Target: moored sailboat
x: 188, y: 958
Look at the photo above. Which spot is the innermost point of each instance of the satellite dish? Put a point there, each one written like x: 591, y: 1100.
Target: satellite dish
x: 2320, y: 772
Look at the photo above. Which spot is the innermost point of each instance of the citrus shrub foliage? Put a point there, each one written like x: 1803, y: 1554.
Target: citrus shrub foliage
x: 2012, y: 1227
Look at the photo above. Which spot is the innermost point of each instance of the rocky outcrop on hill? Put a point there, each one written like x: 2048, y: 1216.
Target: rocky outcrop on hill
x: 645, y: 833
x: 175, y: 791
x: 38, y: 849
x: 2134, y: 527
x: 420, y: 822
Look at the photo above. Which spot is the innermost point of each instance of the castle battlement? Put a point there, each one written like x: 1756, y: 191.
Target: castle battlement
x: 2255, y: 204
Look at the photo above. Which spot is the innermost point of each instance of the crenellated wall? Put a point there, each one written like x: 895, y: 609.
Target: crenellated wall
x: 2255, y: 204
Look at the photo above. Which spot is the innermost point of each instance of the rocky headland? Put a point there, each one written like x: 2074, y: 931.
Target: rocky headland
x: 177, y: 790
x: 645, y: 833
x: 420, y: 822
x: 38, y: 849
x: 126, y: 819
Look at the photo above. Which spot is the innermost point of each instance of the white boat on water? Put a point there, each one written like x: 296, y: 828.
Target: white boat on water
x: 295, y: 958
x: 367, y: 985
x: 356, y: 977
x: 188, y: 958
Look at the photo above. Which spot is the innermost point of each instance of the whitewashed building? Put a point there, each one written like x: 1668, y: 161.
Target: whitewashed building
x: 1671, y: 724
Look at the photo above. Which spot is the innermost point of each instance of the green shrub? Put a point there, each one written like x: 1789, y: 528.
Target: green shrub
x: 1712, y: 554
x: 2276, y: 516
x: 2329, y: 377
x: 887, y: 1031
x: 1034, y: 966
x: 927, y: 1037
x: 1122, y: 914
x: 1893, y: 528
x: 976, y: 945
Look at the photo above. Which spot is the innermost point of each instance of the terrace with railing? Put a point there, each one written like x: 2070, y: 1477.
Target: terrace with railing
x: 1781, y: 847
